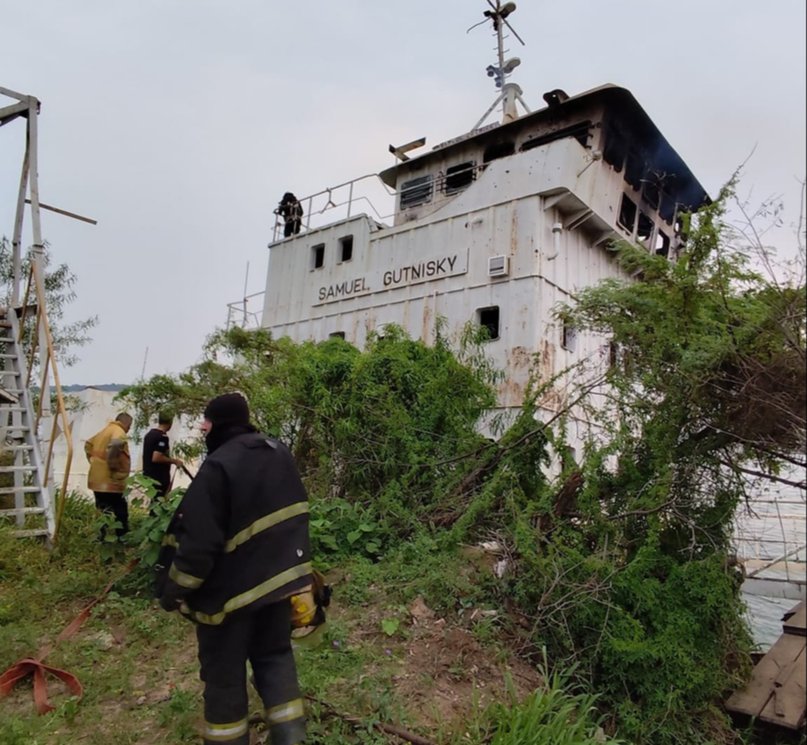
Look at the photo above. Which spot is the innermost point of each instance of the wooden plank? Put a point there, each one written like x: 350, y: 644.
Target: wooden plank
x: 786, y: 707
x: 755, y: 696
x: 796, y: 620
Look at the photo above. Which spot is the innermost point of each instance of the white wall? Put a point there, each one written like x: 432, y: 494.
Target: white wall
x: 97, y: 409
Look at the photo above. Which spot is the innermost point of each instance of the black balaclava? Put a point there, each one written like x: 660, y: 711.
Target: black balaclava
x: 229, y: 415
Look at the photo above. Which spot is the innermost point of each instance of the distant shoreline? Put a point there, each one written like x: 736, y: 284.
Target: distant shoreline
x: 75, y: 387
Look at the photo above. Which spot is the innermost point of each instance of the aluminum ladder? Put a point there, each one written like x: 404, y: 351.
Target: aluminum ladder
x: 25, y: 495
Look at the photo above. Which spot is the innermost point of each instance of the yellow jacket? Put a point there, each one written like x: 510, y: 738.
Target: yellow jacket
x: 108, y: 454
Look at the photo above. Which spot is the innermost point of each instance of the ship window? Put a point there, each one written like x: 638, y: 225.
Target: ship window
x: 614, y: 151
x: 459, y: 176
x: 317, y: 256
x: 613, y: 355
x: 416, y: 191
x: 346, y: 248
x: 645, y: 228
x: 651, y: 194
x: 489, y: 318
x: 579, y: 131
x: 627, y: 213
x: 568, y: 338
x: 667, y: 208
x: 662, y: 243
x: 633, y: 170
x: 498, y: 150
x: 337, y: 335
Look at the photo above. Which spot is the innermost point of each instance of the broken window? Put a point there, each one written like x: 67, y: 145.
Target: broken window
x: 634, y: 169
x: 337, y: 335
x: 651, y: 193
x: 615, y: 149
x: 317, y: 256
x: 662, y: 246
x: 459, y: 176
x: 416, y: 191
x: 627, y: 213
x: 568, y: 337
x: 580, y: 131
x: 498, y: 150
x: 346, y: 248
x: 489, y: 318
x: 644, y: 229
x: 667, y: 208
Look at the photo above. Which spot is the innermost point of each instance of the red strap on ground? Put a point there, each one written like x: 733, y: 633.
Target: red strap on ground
x: 34, y: 666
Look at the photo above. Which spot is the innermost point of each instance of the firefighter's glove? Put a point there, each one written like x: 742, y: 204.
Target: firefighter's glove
x: 169, y: 603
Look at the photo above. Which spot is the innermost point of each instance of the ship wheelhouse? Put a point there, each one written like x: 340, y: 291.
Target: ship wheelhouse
x: 495, y: 227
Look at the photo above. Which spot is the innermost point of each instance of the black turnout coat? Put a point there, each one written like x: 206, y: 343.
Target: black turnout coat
x: 239, y: 538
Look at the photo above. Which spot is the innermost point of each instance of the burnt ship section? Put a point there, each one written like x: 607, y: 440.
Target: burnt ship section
x: 494, y: 227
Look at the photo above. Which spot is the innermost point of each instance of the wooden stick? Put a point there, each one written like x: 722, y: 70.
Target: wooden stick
x: 390, y: 729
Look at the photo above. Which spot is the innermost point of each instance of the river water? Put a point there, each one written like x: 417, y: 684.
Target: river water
x: 775, y: 526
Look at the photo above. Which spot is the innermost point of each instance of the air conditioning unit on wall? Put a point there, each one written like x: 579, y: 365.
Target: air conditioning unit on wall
x: 498, y: 266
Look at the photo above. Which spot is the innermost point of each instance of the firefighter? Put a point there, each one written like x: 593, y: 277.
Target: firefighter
x: 107, y: 452
x: 290, y: 209
x: 236, y: 550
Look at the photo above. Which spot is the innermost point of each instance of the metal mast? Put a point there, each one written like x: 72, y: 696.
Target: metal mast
x: 510, y: 93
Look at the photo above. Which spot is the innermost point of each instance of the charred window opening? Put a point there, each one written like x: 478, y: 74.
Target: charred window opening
x: 679, y: 231
x: 662, y: 246
x: 568, y: 337
x: 459, y: 177
x: 580, y: 131
x: 317, y: 256
x: 346, y: 248
x: 489, y: 318
x: 644, y: 229
x: 337, y: 335
x: 667, y: 208
x: 416, y: 191
x: 634, y: 169
x: 651, y: 193
x: 498, y: 150
x: 627, y: 213
x: 615, y: 149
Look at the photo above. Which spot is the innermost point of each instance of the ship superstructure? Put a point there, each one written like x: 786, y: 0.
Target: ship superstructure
x: 494, y: 227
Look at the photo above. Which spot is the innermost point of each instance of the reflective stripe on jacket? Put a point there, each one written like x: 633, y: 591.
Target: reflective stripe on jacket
x: 108, y: 454
x: 239, y: 538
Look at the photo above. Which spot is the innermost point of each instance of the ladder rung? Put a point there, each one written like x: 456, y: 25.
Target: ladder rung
x: 35, y: 533
x: 17, y: 447
x: 11, y: 469
x: 4, y: 356
x: 15, y: 408
x: 23, y: 511
x: 16, y: 489
x: 16, y: 428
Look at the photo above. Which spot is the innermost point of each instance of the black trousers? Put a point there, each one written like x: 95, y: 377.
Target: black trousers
x: 115, y: 504
x: 264, y: 638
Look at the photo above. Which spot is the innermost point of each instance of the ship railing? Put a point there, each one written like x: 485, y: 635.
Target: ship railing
x: 239, y: 313
x: 342, y: 202
x: 770, y: 542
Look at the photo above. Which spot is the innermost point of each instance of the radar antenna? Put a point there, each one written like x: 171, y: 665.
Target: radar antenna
x: 510, y: 93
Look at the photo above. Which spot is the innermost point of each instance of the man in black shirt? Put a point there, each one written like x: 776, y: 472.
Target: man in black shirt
x: 156, y: 459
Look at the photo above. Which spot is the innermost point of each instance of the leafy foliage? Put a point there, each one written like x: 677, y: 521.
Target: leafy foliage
x: 617, y: 562
x: 59, y: 292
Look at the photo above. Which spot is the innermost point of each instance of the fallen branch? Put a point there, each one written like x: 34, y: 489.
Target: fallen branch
x: 389, y: 729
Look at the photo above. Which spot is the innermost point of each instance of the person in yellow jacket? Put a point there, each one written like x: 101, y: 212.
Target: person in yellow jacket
x: 108, y: 454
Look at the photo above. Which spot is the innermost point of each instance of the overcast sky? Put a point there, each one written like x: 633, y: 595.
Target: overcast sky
x: 178, y: 124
